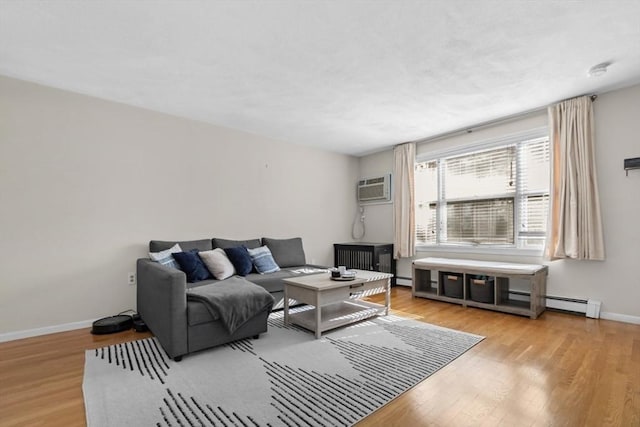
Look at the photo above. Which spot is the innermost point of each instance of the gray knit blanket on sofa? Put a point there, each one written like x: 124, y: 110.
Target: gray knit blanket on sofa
x: 234, y: 300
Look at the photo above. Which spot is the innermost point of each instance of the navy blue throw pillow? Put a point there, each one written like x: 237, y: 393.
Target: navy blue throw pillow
x: 241, y: 260
x: 192, y: 266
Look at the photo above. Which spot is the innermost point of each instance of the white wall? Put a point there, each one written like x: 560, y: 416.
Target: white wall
x: 615, y: 281
x: 86, y: 183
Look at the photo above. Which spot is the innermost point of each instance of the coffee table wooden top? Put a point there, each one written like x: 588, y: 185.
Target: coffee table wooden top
x: 322, y: 281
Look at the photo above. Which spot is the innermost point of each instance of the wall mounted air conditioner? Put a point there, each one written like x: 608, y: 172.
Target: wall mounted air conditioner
x: 377, y: 189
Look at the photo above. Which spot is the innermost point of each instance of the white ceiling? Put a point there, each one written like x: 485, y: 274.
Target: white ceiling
x: 347, y: 76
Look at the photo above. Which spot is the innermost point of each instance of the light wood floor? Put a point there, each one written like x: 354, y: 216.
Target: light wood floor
x: 559, y: 370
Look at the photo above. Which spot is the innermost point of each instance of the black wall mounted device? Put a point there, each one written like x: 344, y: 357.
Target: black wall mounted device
x: 633, y: 163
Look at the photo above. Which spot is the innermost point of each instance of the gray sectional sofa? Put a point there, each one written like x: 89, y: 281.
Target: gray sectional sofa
x: 183, y: 326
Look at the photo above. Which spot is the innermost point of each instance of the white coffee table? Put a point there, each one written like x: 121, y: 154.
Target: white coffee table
x: 336, y: 303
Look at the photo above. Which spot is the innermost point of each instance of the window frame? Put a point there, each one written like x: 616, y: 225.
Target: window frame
x: 485, y: 145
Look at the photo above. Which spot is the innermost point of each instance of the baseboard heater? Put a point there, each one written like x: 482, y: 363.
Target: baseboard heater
x: 590, y: 308
x: 404, y: 281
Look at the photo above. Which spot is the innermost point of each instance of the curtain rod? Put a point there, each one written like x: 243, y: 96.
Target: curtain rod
x: 506, y: 119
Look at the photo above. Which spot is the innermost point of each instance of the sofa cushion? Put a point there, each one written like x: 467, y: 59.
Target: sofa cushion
x: 187, y: 245
x: 192, y: 265
x: 286, y: 252
x: 165, y: 258
x: 224, y: 243
x: 272, y: 282
x: 217, y: 263
x: 239, y: 257
x: 263, y: 260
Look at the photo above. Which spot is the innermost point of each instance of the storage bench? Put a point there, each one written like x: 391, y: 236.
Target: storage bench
x: 485, y: 284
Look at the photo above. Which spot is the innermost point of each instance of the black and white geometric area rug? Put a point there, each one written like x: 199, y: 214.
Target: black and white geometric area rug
x: 284, y: 378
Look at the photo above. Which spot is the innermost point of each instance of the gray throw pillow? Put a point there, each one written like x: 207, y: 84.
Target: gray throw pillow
x: 286, y: 252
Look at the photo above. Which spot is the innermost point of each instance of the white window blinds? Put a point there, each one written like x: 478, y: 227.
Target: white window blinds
x: 426, y: 188
x: 493, y: 196
x: 478, y: 193
x: 533, y: 185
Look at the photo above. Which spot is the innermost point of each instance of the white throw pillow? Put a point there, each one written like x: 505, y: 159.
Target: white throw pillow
x: 217, y: 263
x: 165, y: 258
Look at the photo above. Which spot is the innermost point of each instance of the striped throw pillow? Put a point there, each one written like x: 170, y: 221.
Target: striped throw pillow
x: 165, y: 258
x: 263, y: 260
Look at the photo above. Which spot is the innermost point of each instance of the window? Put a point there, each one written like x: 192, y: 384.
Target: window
x: 494, y: 195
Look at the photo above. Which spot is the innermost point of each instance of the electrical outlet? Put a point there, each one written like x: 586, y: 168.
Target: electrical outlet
x: 132, y: 278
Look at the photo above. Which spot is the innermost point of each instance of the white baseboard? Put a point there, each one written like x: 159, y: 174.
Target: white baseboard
x: 626, y: 318
x: 18, y: 335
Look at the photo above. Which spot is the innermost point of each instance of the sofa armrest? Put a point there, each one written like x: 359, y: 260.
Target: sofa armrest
x: 162, y: 304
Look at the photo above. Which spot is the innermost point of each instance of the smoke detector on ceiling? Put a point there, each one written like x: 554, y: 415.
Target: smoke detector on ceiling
x: 598, y: 70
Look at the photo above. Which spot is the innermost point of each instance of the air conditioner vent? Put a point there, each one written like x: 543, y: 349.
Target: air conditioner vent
x: 374, y: 189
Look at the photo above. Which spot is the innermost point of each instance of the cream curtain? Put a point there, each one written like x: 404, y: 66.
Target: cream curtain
x: 575, y: 223
x: 403, y: 198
